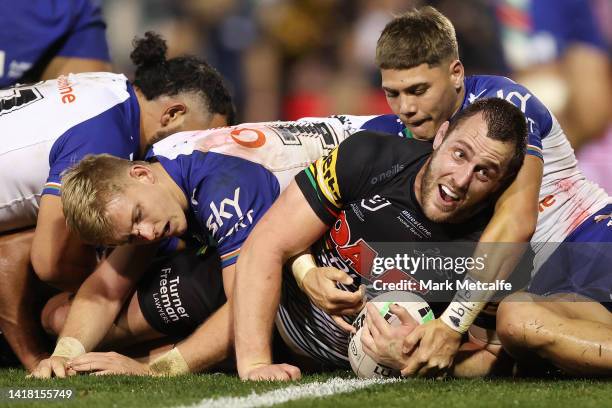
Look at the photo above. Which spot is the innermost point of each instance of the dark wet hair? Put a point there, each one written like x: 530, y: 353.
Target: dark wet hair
x: 505, y: 122
x: 157, y: 76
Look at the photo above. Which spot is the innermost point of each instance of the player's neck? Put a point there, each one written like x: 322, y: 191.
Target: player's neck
x: 170, y: 185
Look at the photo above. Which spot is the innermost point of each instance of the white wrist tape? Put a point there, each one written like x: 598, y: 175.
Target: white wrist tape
x: 465, y: 306
x: 169, y: 364
x: 301, y: 266
x: 68, y: 347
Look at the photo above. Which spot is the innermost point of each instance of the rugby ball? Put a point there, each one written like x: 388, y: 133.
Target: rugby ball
x: 365, y: 366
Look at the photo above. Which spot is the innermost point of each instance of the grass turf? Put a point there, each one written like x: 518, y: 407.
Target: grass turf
x: 123, y: 391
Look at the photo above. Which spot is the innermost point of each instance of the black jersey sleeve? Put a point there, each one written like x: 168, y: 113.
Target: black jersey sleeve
x: 359, y: 166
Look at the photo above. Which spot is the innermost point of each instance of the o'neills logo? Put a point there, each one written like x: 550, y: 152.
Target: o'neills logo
x: 387, y: 174
x: 65, y: 89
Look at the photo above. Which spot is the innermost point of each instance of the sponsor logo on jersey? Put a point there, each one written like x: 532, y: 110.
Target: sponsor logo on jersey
x: 375, y: 203
x: 65, y: 89
x: 19, y: 97
x: 327, y: 179
x: 387, y: 174
x: 252, y: 138
x: 227, y: 210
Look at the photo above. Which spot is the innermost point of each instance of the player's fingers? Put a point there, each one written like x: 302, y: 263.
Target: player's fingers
x: 412, y: 340
x: 338, y: 275
x: 367, y: 342
x: 58, y: 368
x: 343, y: 324
x: 377, y: 324
x: 293, y: 371
x: 414, y: 363
x: 402, y: 314
x: 344, y: 297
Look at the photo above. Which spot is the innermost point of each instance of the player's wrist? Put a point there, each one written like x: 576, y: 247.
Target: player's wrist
x: 301, y: 266
x: 465, y: 307
x: 68, y: 347
x: 169, y: 364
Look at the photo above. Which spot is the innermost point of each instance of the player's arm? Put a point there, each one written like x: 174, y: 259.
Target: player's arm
x: 438, y: 340
x: 66, y: 65
x: 19, y: 309
x: 58, y: 257
x: 96, y: 305
x: 289, y: 227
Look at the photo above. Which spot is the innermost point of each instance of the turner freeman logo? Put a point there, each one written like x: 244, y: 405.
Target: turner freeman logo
x: 227, y: 209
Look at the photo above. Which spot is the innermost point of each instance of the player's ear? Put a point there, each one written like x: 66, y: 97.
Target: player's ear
x: 142, y: 173
x: 457, y: 73
x: 173, y: 114
x: 440, y: 134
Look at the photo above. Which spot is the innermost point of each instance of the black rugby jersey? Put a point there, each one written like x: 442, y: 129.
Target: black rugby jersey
x: 364, y: 190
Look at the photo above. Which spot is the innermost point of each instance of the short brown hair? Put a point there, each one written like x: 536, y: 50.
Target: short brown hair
x: 420, y: 36
x: 87, y: 189
x: 505, y: 123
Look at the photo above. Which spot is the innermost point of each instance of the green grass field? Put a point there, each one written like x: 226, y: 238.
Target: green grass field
x: 122, y: 391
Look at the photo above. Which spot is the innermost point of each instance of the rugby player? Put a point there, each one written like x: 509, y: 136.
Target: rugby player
x: 208, y: 186
x: 371, y: 189
x: 424, y: 82
x: 42, y: 40
x: 59, y: 122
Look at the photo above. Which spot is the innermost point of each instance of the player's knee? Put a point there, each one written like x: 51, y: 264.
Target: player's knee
x: 522, y: 323
x: 55, y: 312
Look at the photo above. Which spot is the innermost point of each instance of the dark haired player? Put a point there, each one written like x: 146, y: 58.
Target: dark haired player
x: 340, y: 208
x: 59, y: 122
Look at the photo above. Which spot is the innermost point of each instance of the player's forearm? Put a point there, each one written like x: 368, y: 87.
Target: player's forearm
x: 91, y: 315
x: 211, y: 343
x: 255, y: 301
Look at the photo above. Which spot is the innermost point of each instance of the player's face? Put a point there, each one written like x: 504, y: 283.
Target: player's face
x: 424, y: 97
x: 463, y: 172
x: 145, y: 213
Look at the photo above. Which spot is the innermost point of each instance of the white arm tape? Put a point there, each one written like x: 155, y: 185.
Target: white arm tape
x: 301, y: 266
x: 465, y: 307
x: 68, y: 347
x: 169, y: 364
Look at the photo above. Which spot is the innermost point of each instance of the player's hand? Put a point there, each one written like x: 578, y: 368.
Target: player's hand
x: 107, y: 364
x: 383, y: 342
x: 272, y: 372
x: 50, y: 367
x: 320, y: 286
x: 432, y: 348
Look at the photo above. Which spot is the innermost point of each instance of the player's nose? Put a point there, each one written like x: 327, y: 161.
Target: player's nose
x: 408, y: 105
x: 147, y: 232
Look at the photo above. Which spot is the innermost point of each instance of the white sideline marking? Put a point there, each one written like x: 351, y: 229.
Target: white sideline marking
x: 314, y: 389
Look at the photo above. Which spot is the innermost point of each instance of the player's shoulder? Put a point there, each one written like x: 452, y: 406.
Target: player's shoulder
x: 494, y: 86
x: 375, y: 150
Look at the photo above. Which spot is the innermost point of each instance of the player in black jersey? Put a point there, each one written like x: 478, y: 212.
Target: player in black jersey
x: 358, y: 195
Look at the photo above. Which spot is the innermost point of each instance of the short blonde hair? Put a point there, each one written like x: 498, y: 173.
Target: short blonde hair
x: 420, y: 36
x: 87, y: 189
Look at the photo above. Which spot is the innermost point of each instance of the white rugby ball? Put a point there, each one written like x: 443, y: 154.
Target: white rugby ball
x: 365, y: 366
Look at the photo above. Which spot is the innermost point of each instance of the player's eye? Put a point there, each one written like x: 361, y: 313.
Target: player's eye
x: 420, y: 91
x: 390, y: 94
x: 483, y: 174
x: 459, y: 154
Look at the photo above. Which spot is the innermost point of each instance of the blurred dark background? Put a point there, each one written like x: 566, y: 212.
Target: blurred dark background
x: 286, y: 59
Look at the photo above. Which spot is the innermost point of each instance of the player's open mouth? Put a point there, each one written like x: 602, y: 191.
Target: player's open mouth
x: 448, y: 196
